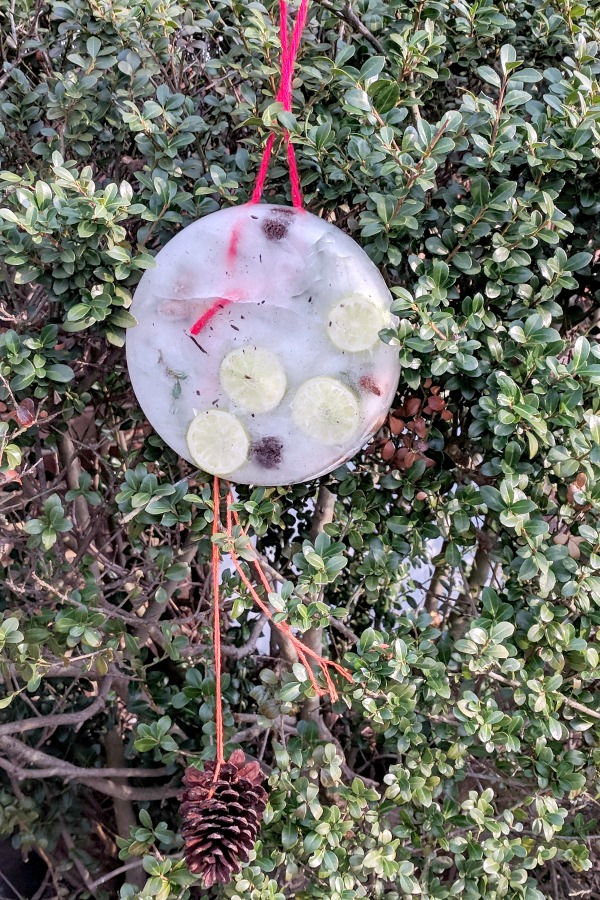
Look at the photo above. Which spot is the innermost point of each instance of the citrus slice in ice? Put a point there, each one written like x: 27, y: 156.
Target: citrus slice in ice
x: 325, y: 409
x: 354, y: 323
x: 253, y: 378
x: 217, y: 442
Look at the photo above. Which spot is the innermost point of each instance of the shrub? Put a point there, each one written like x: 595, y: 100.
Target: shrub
x: 458, y: 574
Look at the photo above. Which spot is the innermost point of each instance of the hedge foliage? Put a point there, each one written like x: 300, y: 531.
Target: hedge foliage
x: 459, y: 578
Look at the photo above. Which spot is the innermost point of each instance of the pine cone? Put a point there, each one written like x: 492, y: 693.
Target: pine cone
x: 222, y: 817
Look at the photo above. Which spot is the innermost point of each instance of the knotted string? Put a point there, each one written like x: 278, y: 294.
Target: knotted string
x: 301, y: 649
x: 305, y: 654
x: 289, y: 52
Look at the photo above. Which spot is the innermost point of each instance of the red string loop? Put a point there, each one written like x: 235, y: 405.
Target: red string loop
x: 289, y: 52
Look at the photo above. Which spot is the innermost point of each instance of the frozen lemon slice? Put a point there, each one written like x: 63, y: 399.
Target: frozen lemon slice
x: 326, y: 409
x: 253, y: 378
x: 354, y: 323
x: 217, y: 442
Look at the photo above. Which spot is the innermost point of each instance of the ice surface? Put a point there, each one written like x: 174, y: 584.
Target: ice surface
x: 256, y: 276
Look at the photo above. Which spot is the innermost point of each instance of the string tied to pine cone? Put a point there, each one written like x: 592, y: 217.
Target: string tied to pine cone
x: 222, y: 805
x: 222, y: 811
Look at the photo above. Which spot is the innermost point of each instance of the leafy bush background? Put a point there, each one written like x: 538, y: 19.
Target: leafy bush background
x: 459, y: 144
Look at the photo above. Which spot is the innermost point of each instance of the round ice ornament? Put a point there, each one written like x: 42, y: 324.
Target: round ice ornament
x: 256, y: 354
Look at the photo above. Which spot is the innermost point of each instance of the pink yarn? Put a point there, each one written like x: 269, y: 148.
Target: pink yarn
x: 289, y: 52
x: 204, y: 319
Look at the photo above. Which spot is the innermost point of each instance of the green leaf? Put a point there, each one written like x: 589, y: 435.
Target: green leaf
x: 488, y: 74
x: 122, y: 318
x: 581, y: 352
x: 287, y: 119
x: 120, y: 254
x: 508, y: 58
x: 578, y: 261
x: 93, y: 46
x: 357, y: 99
x: 491, y: 497
x: 372, y: 68
x: 289, y: 836
x: 60, y: 373
x: 501, y: 632
x: 594, y: 426
x: 8, y: 699
x: 11, y: 178
x: 480, y: 190
x: 533, y: 444
x: 384, y: 94
x: 289, y: 691
x: 27, y: 274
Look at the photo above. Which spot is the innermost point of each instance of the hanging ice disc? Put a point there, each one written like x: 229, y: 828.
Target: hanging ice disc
x: 269, y: 316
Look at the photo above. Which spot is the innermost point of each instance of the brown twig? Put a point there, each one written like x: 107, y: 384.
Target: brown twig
x: 419, y: 168
x: 250, y: 645
x: 77, y: 862
x: 54, y: 768
x: 347, y: 14
x: 313, y: 638
x: 115, y: 872
x: 54, y: 721
x: 568, y: 701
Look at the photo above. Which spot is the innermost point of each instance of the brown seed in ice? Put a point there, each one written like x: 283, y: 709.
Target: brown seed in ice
x: 267, y: 452
x: 275, y: 229
x: 368, y: 383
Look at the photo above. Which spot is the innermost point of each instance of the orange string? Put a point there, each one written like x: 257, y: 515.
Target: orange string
x: 216, y: 557
x: 305, y: 654
x: 301, y: 649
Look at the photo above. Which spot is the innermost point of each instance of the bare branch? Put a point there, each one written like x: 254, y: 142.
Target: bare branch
x: 574, y: 704
x: 115, y: 872
x: 95, y: 779
x: 326, y: 735
x: 344, y: 630
x: 55, y: 721
x: 313, y: 638
x: 73, y: 856
x: 123, y: 806
x: 155, y: 611
x: 348, y: 15
x: 250, y: 645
